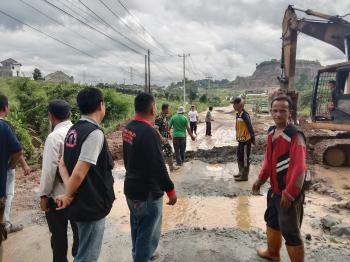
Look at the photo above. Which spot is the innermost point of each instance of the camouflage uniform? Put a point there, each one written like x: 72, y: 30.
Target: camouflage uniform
x: 162, y: 123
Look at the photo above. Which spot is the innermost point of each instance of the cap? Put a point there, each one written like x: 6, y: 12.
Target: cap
x: 181, y: 110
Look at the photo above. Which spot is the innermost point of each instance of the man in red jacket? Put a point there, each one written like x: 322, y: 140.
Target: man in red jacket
x: 285, y: 165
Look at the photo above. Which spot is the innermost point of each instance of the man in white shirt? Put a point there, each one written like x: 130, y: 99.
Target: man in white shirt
x: 51, y: 184
x: 193, y: 116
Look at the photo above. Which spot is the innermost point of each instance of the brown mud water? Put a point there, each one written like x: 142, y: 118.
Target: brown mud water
x: 215, y: 219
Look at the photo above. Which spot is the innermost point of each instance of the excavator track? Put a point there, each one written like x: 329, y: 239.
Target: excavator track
x: 333, y: 152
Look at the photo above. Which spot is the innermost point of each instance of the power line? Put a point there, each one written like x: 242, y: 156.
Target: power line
x: 191, y: 69
x: 144, y: 29
x: 92, y: 28
x: 96, y: 19
x: 195, y: 67
x: 113, y: 28
x: 85, y: 12
x: 74, y: 11
x: 160, y: 68
x: 62, y: 24
x: 125, y: 24
x: 54, y: 38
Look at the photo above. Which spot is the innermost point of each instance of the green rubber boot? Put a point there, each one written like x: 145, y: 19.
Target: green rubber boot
x: 240, y: 169
x: 244, y: 176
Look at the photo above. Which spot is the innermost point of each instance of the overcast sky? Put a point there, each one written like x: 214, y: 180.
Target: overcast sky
x: 225, y: 38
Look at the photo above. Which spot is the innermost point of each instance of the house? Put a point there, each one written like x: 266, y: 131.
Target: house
x: 59, y: 76
x: 10, y: 68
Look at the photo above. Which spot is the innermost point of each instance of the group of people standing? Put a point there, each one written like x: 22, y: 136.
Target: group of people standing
x: 76, y: 184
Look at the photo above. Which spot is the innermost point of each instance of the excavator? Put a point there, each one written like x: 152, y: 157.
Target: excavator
x: 330, y: 104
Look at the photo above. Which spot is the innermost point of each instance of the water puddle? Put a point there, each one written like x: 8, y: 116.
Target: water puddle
x: 211, y: 212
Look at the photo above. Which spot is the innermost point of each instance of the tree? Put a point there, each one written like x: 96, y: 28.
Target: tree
x: 203, y: 98
x: 215, y: 101
x: 303, y: 82
x: 193, y: 90
x: 37, y: 74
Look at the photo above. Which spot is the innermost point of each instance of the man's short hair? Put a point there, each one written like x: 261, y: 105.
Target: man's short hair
x: 283, y: 98
x: 143, y: 102
x: 4, y: 102
x: 210, y: 108
x: 59, y: 108
x: 165, y: 106
x: 331, y: 82
x: 237, y: 101
x: 89, y: 99
x: 281, y: 90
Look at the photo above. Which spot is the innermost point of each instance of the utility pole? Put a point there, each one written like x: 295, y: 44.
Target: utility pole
x: 146, y: 89
x: 149, y: 72
x: 184, y: 75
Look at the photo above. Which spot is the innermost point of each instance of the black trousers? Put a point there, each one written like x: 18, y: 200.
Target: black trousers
x: 193, y: 127
x: 288, y: 220
x: 243, y: 152
x: 179, y: 144
x: 208, y: 129
x: 58, y: 225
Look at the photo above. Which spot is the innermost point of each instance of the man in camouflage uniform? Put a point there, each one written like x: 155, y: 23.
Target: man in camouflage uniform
x: 162, y: 125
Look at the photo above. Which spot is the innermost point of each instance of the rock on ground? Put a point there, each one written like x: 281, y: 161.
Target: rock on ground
x: 329, y: 221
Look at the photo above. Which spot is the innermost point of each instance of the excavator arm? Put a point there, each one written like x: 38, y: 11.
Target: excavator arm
x: 333, y: 30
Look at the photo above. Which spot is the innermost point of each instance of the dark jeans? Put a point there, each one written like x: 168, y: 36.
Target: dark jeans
x: 288, y: 220
x: 179, y: 144
x: 58, y: 225
x: 145, y: 222
x: 243, y: 152
x: 193, y: 127
x: 208, y: 129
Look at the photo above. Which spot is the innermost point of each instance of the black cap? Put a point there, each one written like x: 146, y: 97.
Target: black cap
x: 59, y: 108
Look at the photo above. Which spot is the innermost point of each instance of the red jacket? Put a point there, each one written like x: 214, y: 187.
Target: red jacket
x: 285, y: 162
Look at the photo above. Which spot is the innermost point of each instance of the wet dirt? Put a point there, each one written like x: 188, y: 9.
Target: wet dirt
x: 215, y: 219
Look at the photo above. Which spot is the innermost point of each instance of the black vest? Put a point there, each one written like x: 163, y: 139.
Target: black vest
x: 94, y: 197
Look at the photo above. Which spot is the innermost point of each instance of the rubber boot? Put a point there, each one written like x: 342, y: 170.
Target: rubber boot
x: 240, y: 169
x: 274, y: 243
x: 296, y: 253
x: 244, y: 176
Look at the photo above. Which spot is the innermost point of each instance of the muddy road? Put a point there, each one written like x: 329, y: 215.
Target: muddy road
x: 215, y: 219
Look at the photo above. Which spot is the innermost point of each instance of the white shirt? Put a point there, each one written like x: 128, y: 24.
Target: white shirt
x: 50, y: 184
x: 193, y: 116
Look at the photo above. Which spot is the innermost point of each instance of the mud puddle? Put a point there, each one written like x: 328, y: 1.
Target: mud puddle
x: 215, y: 219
